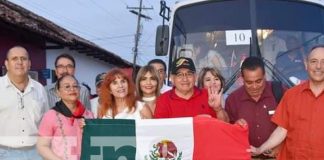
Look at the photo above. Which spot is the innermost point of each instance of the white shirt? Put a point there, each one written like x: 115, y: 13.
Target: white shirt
x: 165, y: 88
x: 127, y: 115
x: 210, y: 61
x: 271, y: 47
x: 21, y: 112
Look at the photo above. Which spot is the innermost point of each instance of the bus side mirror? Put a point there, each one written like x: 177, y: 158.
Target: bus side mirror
x: 162, y: 40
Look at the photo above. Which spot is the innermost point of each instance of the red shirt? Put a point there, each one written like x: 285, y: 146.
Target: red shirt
x: 169, y: 105
x: 257, y: 113
x: 302, y: 114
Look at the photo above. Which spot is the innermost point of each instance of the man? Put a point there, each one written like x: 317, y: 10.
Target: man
x: 299, y: 115
x: 160, y: 67
x: 186, y: 100
x: 95, y: 101
x: 65, y: 64
x: 23, y: 102
x: 253, y: 102
x: 291, y: 62
x: 271, y: 46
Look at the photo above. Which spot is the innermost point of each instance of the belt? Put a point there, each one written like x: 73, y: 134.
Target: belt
x: 17, y: 148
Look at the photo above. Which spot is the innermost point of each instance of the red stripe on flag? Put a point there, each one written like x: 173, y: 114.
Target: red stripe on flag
x: 217, y: 140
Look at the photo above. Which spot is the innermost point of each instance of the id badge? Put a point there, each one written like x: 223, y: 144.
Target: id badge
x: 271, y: 112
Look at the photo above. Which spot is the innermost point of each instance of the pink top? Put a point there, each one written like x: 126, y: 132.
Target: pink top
x: 68, y: 146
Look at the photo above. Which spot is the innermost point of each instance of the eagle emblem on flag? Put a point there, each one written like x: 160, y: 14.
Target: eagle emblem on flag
x: 164, y: 150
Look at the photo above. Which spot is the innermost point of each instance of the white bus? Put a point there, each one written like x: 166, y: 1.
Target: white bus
x: 221, y: 33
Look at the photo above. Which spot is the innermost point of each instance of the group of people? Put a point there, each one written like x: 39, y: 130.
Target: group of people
x: 48, y: 121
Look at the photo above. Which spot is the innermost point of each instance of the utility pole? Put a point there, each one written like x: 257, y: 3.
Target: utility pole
x: 138, y: 32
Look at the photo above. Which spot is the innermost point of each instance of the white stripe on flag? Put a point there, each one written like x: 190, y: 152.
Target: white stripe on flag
x: 168, y: 138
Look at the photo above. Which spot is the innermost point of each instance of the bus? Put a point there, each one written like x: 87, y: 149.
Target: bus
x: 222, y: 33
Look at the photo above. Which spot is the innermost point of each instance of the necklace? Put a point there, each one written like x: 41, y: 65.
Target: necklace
x: 148, y: 99
x: 63, y: 136
x: 21, y: 87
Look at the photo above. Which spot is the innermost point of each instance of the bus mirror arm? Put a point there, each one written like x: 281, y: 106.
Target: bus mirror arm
x: 232, y: 79
x: 277, y: 75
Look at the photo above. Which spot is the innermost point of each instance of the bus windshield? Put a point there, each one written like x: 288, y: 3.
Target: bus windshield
x: 219, y: 34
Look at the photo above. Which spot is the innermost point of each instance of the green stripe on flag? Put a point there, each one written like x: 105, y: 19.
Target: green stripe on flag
x: 108, y: 139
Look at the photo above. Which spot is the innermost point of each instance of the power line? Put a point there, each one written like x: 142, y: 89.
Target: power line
x: 61, y: 18
x: 106, y: 11
x: 123, y: 2
x: 112, y: 37
x: 138, y: 32
x: 70, y: 23
x: 149, y: 2
x: 80, y: 3
x: 121, y: 45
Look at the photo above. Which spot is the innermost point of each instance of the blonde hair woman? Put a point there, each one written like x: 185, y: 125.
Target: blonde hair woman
x: 147, y: 87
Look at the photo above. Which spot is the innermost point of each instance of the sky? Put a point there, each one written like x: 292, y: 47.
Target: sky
x: 107, y: 23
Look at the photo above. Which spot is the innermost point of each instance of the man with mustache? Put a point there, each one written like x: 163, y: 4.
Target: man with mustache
x: 23, y: 102
x: 253, y: 102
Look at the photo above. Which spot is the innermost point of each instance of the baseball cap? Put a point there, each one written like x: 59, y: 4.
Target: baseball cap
x: 99, y: 78
x: 183, y: 62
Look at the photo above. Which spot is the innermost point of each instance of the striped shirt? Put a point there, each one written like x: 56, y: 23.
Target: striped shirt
x: 53, y: 98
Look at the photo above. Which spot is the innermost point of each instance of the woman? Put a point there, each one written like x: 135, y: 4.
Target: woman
x: 211, y: 79
x: 60, y: 130
x: 118, y: 98
x: 147, y: 87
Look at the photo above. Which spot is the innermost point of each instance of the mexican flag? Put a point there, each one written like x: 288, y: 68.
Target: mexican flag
x: 198, y: 138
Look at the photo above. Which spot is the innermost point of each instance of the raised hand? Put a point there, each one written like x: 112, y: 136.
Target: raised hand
x: 215, y: 98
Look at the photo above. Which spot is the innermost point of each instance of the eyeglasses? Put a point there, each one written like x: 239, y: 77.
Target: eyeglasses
x: 69, y: 66
x: 187, y: 75
x: 68, y: 87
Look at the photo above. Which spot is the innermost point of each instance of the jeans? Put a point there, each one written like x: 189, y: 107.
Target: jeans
x: 19, y: 154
